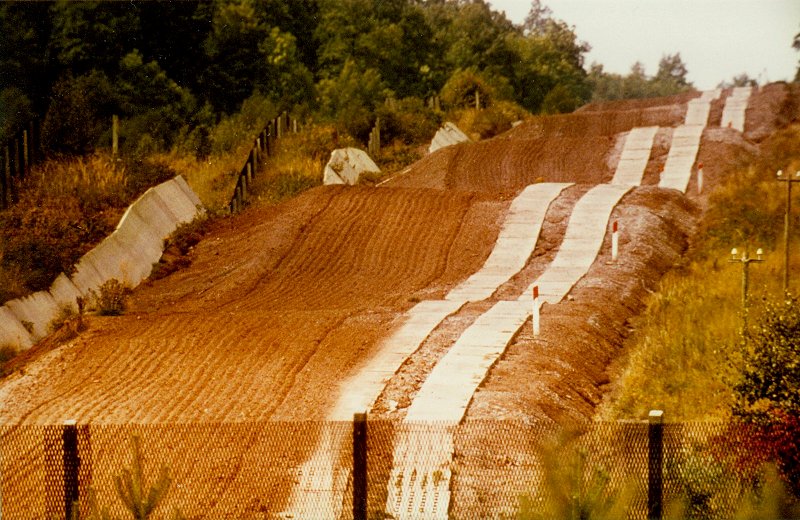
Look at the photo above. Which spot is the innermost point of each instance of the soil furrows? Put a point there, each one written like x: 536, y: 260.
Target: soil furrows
x: 398, y: 238
x: 509, y: 165
x: 658, y: 157
x: 639, y: 104
x: 560, y: 376
x: 596, y: 124
x: 399, y: 392
x: 768, y: 108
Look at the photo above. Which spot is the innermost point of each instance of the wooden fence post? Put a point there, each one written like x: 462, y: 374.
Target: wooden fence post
x: 114, y: 135
x: 72, y: 464
x: 360, y: 466
x: 655, y: 465
x: 26, y: 153
x: 5, y: 177
x: 16, y: 171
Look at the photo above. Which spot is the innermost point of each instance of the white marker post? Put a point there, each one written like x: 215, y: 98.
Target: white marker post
x: 700, y: 178
x: 535, y: 311
x: 614, y: 242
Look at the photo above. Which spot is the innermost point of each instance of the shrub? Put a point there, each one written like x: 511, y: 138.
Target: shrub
x: 768, y: 393
x: 407, y: 120
x: 110, y: 298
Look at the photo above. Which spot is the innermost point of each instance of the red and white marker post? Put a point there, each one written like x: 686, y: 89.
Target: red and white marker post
x: 700, y: 178
x: 536, y: 311
x: 614, y: 241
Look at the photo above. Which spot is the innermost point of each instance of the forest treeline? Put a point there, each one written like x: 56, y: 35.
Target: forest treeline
x: 174, y: 69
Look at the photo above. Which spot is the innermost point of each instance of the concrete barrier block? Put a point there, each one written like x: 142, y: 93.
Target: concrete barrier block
x: 176, y: 200
x: 189, y: 192
x: 346, y: 165
x: 86, y: 277
x: 448, y: 135
x: 65, y: 293
x: 136, y: 233
x: 152, y: 210
x: 12, y: 333
x: 38, y: 309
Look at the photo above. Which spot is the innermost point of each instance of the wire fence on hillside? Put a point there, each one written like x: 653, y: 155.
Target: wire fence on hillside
x: 499, y: 469
x: 263, y: 147
x: 20, y: 151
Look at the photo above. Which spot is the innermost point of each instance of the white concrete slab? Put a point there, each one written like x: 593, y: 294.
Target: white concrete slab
x: 448, y: 135
x: 12, y: 333
x: 515, y: 243
x: 681, y: 157
x: 634, y: 157
x: 586, y: 230
x: 38, y: 309
x: 419, y: 484
x: 362, y: 389
x: 86, y: 277
x: 733, y: 114
x: 178, y: 203
x: 65, y: 293
x: 151, y: 209
x: 420, y: 478
x: 346, y: 165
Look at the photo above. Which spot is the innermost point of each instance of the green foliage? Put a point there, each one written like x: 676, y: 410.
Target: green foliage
x: 80, y: 111
x: 768, y: 392
x: 110, y: 298
x: 671, y: 78
x: 134, y: 493
x: 287, y: 184
x: 462, y: 87
x: 351, y: 97
x: 15, y: 112
x: 407, y: 120
x: 242, y: 126
x: 573, y: 489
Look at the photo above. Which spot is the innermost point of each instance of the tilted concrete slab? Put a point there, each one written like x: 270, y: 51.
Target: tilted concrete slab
x: 515, y: 242
x: 635, y: 155
x: 65, y: 293
x: 681, y: 157
x: 346, y: 166
x: 151, y: 209
x: 126, y: 255
x: 86, y: 277
x: 38, y: 309
x: 12, y: 333
x: 177, y: 201
x: 733, y: 114
x: 448, y: 135
x: 190, y: 194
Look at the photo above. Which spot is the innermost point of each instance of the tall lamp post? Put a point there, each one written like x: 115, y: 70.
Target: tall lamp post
x: 745, y: 260
x: 786, y: 223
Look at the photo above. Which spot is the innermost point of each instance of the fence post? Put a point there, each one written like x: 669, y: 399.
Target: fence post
x: 72, y: 464
x: 4, y: 202
x: 360, y: 466
x: 33, y: 145
x: 268, y: 138
x: 114, y: 135
x: 26, y: 153
x: 655, y: 464
x: 16, y: 169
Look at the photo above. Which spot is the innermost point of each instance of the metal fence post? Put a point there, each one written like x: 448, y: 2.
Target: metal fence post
x: 360, y: 466
x: 72, y: 464
x: 655, y: 465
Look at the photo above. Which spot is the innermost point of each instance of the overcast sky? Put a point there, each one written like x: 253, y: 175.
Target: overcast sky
x: 717, y: 39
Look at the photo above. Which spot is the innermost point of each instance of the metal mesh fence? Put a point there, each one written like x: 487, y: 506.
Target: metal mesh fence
x: 487, y: 469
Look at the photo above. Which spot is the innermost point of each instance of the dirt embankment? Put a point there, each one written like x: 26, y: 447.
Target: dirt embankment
x: 259, y: 324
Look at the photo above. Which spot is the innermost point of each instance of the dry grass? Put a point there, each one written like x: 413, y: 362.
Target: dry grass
x: 212, y: 179
x: 685, y: 353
